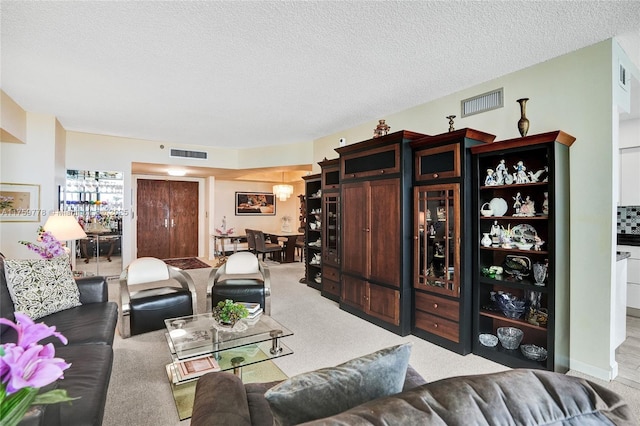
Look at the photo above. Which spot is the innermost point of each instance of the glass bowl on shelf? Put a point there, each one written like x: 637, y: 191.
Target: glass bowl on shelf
x: 534, y: 352
x: 487, y: 339
x: 510, y: 337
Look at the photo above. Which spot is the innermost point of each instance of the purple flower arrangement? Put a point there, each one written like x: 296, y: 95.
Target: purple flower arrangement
x: 26, y: 366
x: 50, y: 247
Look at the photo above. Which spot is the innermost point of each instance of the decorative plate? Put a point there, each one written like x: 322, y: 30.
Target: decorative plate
x: 499, y: 206
x: 524, y: 233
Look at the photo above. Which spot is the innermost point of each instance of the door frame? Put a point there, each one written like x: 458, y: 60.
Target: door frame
x: 202, y: 222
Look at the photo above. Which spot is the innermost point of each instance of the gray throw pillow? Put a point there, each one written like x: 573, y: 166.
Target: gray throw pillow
x: 41, y: 287
x: 329, y: 391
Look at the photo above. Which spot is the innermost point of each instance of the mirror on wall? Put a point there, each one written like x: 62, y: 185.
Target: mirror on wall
x: 96, y: 200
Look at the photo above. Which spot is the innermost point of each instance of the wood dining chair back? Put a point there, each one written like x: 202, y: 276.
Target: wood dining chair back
x: 251, y: 240
x: 264, y: 247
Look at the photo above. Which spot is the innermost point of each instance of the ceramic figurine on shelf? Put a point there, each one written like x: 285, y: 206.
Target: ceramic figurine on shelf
x: 490, y: 180
x: 502, y: 174
x: 545, y: 204
x: 535, y: 177
x: 527, y: 209
x: 517, y: 204
x: 520, y: 175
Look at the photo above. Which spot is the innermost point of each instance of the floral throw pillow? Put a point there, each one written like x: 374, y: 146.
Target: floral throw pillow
x: 40, y: 287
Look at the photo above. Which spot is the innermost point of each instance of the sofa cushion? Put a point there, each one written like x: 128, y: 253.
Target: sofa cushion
x: 513, y: 397
x: 87, y: 378
x: 330, y: 391
x: 39, y: 287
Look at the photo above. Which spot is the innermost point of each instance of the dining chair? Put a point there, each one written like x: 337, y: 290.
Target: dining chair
x: 300, y: 247
x: 251, y: 240
x: 264, y: 247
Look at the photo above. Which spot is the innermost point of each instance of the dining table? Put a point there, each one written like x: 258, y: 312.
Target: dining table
x: 289, y: 242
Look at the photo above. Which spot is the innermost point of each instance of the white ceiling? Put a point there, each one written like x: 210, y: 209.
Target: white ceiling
x: 260, y: 73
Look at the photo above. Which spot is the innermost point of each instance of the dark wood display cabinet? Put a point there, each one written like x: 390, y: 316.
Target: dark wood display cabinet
x: 375, y: 195
x: 330, y: 228
x: 442, y: 260
x: 521, y: 248
x: 313, y: 231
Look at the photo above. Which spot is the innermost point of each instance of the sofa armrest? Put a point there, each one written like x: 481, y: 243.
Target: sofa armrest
x: 93, y: 289
x: 220, y: 399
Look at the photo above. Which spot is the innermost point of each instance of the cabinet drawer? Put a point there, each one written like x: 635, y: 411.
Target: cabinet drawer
x: 436, y: 325
x: 446, y: 308
x: 330, y: 273
x: 332, y: 287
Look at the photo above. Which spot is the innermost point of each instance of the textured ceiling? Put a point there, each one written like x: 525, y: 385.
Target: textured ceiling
x: 244, y: 74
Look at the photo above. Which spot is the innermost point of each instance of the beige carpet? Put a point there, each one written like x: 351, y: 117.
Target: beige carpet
x: 139, y: 393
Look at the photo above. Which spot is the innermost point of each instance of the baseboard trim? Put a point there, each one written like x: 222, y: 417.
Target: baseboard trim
x: 594, y: 371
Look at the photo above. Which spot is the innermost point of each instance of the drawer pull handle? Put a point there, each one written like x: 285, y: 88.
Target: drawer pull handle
x: 435, y: 325
x: 435, y: 306
x: 435, y: 175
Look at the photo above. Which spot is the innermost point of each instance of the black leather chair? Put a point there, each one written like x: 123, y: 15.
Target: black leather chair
x: 264, y: 247
x: 158, y: 297
x: 242, y: 278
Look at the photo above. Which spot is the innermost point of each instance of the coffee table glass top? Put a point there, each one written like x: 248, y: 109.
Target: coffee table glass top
x: 195, y: 335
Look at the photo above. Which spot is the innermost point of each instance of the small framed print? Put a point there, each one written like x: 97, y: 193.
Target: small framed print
x: 19, y: 202
x: 255, y: 203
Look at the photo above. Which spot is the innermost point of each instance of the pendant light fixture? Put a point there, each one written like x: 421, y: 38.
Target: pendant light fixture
x: 282, y: 190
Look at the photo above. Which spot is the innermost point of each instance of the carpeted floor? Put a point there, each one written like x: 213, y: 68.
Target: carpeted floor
x: 324, y: 335
x: 186, y: 263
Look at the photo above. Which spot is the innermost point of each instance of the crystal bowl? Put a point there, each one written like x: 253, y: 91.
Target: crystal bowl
x: 534, y: 352
x: 488, y: 340
x: 510, y: 337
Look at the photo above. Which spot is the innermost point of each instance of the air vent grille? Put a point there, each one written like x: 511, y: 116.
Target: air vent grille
x: 182, y: 153
x: 481, y: 103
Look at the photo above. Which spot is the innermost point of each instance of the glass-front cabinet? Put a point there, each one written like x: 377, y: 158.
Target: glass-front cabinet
x: 442, y: 261
x: 437, y: 229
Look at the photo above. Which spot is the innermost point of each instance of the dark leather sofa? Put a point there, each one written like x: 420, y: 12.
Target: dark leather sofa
x: 90, y: 329
x: 514, y: 397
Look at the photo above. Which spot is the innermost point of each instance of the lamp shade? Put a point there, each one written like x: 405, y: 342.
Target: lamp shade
x: 64, y: 227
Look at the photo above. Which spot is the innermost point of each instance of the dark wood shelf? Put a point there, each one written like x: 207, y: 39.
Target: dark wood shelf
x: 516, y: 322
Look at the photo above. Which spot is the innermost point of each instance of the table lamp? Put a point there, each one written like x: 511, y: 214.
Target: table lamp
x: 64, y: 227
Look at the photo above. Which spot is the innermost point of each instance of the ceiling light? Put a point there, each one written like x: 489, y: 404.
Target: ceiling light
x: 175, y: 172
x: 283, y: 191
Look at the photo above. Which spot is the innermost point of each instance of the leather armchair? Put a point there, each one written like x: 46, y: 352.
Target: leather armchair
x: 242, y: 278
x: 157, y: 297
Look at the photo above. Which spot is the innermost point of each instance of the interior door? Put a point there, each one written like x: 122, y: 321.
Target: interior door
x: 167, y: 224
x: 183, y: 219
x: 153, y: 210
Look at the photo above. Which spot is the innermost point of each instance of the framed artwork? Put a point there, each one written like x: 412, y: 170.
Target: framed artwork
x: 255, y: 203
x: 19, y: 202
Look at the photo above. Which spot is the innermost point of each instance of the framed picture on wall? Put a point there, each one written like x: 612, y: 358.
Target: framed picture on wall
x: 19, y: 202
x: 255, y: 203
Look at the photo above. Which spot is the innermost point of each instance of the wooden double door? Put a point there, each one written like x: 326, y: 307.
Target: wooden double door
x: 167, y: 223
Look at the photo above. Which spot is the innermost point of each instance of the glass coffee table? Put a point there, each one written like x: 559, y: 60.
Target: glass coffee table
x: 246, y: 350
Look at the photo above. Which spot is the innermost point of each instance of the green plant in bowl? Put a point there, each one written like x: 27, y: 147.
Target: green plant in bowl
x: 229, y: 313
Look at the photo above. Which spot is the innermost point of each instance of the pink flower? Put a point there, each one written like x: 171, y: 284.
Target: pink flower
x: 27, y: 363
x: 51, y: 246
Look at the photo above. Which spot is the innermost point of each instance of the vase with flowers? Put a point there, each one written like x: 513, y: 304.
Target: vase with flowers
x: 26, y: 366
x: 50, y: 247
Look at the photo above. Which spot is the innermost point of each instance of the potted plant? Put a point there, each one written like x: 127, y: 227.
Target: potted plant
x: 229, y: 313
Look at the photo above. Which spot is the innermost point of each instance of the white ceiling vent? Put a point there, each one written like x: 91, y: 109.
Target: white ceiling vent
x: 481, y: 103
x: 181, y: 153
